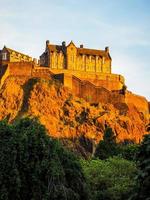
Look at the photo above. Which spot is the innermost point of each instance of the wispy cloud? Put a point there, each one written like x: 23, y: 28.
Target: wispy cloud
x: 122, y: 25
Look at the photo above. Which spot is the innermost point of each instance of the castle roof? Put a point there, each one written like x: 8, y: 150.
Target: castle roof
x: 12, y: 50
x: 53, y: 47
x: 85, y: 51
x: 93, y: 52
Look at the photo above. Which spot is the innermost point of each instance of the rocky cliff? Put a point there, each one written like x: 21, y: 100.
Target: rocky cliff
x: 68, y: 117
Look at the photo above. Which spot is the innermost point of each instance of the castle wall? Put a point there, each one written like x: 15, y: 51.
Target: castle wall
x: 108, y: 81
x: 95, y: 94
x: 4, y: 73
x: 19, y: 58
x: 20, y: 68
x: 56, y: 60
x: 71, y: 57
x: 41, y: 72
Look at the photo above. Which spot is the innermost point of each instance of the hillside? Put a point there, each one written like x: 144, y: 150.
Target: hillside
x: 67, y: 117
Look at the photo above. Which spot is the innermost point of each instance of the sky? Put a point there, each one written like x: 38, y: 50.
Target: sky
x: 123, y: 25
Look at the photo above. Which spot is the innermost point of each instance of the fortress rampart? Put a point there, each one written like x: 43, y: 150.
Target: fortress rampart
x: 87, y: 72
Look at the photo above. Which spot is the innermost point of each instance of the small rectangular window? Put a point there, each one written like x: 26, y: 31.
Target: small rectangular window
x: 4, y: 56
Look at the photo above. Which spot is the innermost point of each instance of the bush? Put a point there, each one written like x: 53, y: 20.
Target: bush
x: 108, y: 146
x: 143, y: 164
x: 34, y: 166
x: 111, y: 179
x: 128, y: 151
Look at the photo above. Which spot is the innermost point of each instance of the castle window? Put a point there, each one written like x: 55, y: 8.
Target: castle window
x: 90, y: 58
x: 4, y: 56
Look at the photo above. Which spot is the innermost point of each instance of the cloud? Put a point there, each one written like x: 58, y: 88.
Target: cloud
x: 26, y: 25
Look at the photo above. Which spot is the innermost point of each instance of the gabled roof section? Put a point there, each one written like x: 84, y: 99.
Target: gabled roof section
x: 85, y: 51
x: 57, y: 48
x: 12, y: 50
x: 71, y: 43
x: 93, y: 52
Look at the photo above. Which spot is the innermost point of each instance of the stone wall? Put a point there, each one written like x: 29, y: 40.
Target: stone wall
x: 93, y: 88
x: 15, y: 69
x: 95, y: 94
x: 4, y: 73
x: 110, y: 81
x: 21, y: 68
x: 42, y: 72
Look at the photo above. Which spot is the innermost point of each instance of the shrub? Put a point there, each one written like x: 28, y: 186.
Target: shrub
x: 34, y: 166
x: 108, y: 146
x: 111, y: 179
x: 143, y: 164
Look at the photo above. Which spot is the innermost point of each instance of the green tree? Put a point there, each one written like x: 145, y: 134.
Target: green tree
x: 34, y: 166
x: 128, y: 151
x: 143, y: 178
x: 111, y: 179
x: 108, y: 146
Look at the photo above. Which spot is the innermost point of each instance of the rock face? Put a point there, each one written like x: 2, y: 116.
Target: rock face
x: 68, y: 117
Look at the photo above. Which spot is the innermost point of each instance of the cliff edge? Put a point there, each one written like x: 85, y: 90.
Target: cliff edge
x: 68, y: 117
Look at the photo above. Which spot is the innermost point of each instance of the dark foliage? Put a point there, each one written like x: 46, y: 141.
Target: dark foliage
x: 143, y: 178
x: 34, y: 166
x: 108, y: 146
x: 110, y: 179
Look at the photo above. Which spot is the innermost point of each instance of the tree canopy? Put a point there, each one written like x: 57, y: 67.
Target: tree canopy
x: 143, y: 164
x: 34, y: 166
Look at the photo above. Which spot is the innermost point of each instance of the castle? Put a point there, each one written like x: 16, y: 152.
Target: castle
x: 71, y: 57
x: 83, y: 70
x: 9, y: 55
x: 87, y: 72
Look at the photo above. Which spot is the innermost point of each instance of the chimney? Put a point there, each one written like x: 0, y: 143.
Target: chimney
x: 47, y: 42
x: 63, y: 43
x: 81, y: 45
x: 107, y: 49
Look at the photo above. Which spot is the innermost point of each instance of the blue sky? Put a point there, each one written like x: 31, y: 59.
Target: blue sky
x: 123, y: 25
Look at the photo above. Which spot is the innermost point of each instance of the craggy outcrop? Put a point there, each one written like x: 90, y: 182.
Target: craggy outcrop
x: 67, y: 117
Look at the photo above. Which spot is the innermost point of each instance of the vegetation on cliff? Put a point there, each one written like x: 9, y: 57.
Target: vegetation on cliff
x: 112, y: 179
x: 143, y: 178
x: 35, y: 166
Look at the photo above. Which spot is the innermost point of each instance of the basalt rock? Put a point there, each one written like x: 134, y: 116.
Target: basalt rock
x: 79, y: 124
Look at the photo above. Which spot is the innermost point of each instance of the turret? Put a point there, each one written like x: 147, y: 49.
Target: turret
x: 47, y: 42
x: 107, y: 49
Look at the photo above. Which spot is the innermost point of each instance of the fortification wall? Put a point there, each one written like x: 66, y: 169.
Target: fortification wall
x: 4, y: 73
x: 108, y: 81
x: 20, y: 68
x: 42, y: 72
x: 95, y: 94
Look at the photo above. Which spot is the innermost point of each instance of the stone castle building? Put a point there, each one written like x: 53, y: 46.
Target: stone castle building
x: 78, y: 67
x: 8, y: 55
x: 87, y: 72
x: 71, y: 57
